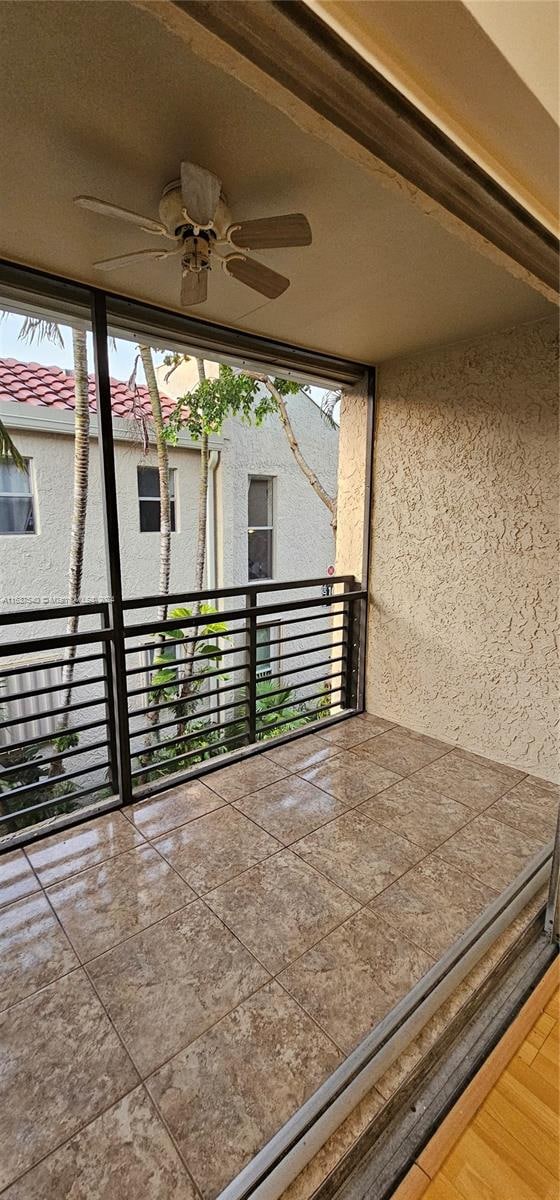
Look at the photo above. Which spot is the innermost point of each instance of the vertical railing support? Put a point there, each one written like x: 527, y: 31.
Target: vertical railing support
x: 350, y: 680
x: 117, y: 657
x: 252, y: 665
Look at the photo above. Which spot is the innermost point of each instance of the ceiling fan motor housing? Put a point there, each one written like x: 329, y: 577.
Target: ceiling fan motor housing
x: 172, y: 212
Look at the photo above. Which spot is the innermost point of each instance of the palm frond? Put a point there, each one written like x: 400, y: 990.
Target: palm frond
x: 9, y: 450
x: 38, y: 329
x: 329, y: 405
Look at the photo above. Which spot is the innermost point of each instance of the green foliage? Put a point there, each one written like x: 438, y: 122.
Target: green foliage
x: 30, y: 769
x: 203, y: 410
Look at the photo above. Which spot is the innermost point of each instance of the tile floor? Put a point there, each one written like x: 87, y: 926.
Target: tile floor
x: 177, y: 978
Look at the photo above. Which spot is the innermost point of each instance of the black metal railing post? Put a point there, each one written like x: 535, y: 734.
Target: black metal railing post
x: 117, y: 657
x: 252, y: 665
x: 350, y: 670
x: 110, y: 714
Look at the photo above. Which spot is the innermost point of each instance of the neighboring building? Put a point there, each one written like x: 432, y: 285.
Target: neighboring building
x: 265, y: 521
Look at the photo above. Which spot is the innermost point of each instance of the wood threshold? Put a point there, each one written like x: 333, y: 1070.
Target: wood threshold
x: 432, y: 1157
x: 293, y: 46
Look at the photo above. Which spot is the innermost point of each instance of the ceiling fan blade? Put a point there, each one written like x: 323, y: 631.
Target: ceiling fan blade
x: 123, y: 214
x: 194, y: 288
x: 291, y: 229
x: 256, y: 276
x: 201, y: 193
x: 122, y: 260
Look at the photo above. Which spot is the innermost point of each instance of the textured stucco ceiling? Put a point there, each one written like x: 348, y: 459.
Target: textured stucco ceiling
x: 100, y: 98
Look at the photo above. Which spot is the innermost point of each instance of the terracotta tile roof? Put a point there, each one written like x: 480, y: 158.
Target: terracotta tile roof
x: 52, y: 387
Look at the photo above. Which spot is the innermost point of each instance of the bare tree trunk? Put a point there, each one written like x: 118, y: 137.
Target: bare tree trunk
x: 163, y: 470
x: 293, y: 443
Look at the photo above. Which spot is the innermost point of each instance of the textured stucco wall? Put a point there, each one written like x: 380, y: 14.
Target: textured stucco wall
x: 464, y: 577
x: 352, y: 466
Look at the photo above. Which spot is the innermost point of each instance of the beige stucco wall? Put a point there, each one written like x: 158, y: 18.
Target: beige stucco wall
x: 464, y: 575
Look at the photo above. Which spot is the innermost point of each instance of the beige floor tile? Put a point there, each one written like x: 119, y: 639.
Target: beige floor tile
x: 233, y: 782
x: 350, y: 777
x: 124, y: 1153
x: 167, y: 985
x: 417, y: 812
x: 301, y: 753
x: 33, y: 948
x: 471, y: 780
x: 433, y: 904
x: 291, y: 808
x: 73, y: 850
x: 492, y: 852
x: 16, y: 877
x: 280, y: 908
x: 355, y: 730
x: 354, y: 976
x: 108, y: 903
x: 62, y: 1064
x: 176, y: 807
x: 529, y: 807
x: 402, y: 750
x: 358, y: 855
x: 226, y: 1094
x: 215, y: 848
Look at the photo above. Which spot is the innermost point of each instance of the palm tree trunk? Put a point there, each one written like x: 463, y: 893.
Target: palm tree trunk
x: 79, y: 514
x: 200, y: 556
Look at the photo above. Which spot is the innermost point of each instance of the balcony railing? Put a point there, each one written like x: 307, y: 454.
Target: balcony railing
x: 165, y: 690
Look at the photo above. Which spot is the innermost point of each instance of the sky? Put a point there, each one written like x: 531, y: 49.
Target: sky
x: 122, y: 354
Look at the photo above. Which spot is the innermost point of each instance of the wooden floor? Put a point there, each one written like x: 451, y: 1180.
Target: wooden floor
x: 509, y: 1147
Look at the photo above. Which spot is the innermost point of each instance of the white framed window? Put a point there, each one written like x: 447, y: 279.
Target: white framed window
x: 17, y: 508
x: 260, y: 534
x: 148, y: 499
x: 264, y: 651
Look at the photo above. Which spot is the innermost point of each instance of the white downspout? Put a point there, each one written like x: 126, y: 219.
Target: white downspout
x: 211, y: 567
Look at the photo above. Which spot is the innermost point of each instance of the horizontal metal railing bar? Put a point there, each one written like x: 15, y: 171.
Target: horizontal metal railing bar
x: 33, y: 808
x: 192, y: 737
x: 312, y: 633
x: 303, y: 620
x: 185, y: 641
x: 20, y: 669
x: 247, y: 751
x: 301, y: 653
x: 56, y: 757
x: 54, y: 712
x: 48, y: 737
x: 310, y: 667
x: 290, y: 703
x: 198, y: 658
x: 158, y: 687
x: 241, y: 614
x: 218, y: 708
x: 56, y: 779
x: 42, y: 644
x: 237, y: 590
x: 181, y: 757
x: 52, y: 687
x: 138, y: 712
x: 21, y: 616
x: 307, y: 719
x: 296, y: 699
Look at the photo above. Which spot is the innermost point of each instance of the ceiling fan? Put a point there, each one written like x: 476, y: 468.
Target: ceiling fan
x: 194, y: 216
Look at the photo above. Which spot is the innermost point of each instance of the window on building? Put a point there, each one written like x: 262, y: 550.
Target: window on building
x: 264, y: 651
x: 17, y: 513
x: 148, y: 499
x: 260, y: 528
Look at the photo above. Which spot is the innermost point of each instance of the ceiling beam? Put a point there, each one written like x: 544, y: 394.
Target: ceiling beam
x: 290, y: 44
